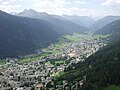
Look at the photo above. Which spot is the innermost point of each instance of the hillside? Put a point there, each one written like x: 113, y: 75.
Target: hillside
x: 104, y: 21
x: 99, y: 70
x: 113, y: 29
x: 112, y: 87
x: 20, y: 35
x: 61, y: 25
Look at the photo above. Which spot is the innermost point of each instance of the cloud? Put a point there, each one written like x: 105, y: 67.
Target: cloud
x: 71, y: 11
x: 80, y: 2
x: 113, y: 7
x: 60, y: 7
x: 111, y: 3
x: 8, y: 6
x: 7, y: 0
x: 49, y: 3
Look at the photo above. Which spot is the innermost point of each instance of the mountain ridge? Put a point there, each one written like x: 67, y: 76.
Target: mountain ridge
x: 20, y: 35
x: 104, y: 21
x: 61, y: 25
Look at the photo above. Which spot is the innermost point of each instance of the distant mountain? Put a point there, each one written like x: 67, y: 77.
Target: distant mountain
x: 113, y: 29
x: 21, y: 35
x: 61, y: 25
x: 104, y: 21
x: 80, y: 20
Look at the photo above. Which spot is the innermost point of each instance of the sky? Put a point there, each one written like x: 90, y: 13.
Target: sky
x: 93, y: 8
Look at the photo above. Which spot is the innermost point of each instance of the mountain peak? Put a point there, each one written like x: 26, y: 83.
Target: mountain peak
x: 29, y: 11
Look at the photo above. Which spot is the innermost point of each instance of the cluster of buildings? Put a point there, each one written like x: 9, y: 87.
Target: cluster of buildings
x: 38, y: 75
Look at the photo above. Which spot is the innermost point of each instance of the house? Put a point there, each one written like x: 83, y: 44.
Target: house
x: 38, y: 87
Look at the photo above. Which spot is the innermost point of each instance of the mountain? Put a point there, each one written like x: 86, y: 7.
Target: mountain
x: 80, y: 20
x: 60, y: 24
x: 112, y: 29
x: 104, y: 21
x: 21, y: 35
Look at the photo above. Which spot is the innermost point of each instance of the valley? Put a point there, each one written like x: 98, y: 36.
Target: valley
x: 47, y: 51
x: 40, y: 70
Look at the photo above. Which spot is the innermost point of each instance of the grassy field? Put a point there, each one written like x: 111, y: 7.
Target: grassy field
x: 56, y: 62
x: 53, y: 51
x: 59, y: 74
x: 100, y: 36
x: 48, y: 63
x: 112, y: 87
x: 76, y: 37
x: 59, y: 62
x: 2, y: 62
x: 67, y: 39
x: 48, y: 53
x: 25, y: 60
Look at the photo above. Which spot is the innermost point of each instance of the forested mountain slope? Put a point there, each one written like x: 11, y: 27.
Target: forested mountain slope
x: 104, y: 21
x: 99, y: 70
x: 113, y: 29
x: 20, y: 35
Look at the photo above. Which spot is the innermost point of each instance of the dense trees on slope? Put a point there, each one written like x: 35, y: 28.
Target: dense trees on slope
x: 104, y: 67
x: 20, y: 35
x: 104, y: 21
x: 99, y: 70
x: 113, y: 29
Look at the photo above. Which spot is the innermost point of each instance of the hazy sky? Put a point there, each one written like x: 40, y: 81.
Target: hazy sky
x: 69, y: 7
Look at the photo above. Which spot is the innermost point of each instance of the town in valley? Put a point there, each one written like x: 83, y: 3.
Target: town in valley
x: 40, y: 73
